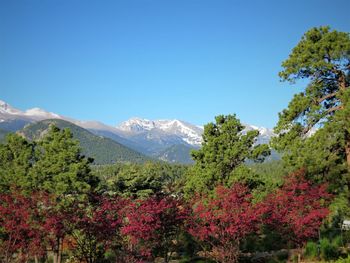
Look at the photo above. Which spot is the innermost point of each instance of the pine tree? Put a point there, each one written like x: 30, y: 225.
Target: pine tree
x: 225, y: 149
x: 16, y: 160
x: 323, y: 58
x: 60, y: 168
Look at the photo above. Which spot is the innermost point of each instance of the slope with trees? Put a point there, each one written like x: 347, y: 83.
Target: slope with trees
x: 101, y: 149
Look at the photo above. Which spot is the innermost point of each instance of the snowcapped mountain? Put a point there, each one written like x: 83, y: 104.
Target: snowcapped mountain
x: 37, y: 113
x: 172, y: 140
x: 265, y: 134
x: 6, y: 109
x: 188, y: 133
x: 34, y: 114
x: 163, y: 139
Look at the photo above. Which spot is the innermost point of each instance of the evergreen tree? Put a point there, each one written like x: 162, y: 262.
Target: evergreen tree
x: 322, y: 57
x: 53, y: 164
x: 60, y: 168
x: 225, y: 149
x: 314, y: 130
x: 16, y: 160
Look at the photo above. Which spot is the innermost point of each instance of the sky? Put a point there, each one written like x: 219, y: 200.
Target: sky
x: 185, y: 59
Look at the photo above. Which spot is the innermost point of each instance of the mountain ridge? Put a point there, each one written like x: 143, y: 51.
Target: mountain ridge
x: 155, y: 138
x: 102, y: 150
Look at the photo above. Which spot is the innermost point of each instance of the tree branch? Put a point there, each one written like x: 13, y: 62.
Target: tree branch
x: 328, y: 96
x: 333, y: 109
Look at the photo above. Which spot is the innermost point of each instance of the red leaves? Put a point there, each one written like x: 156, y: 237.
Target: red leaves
x: 140, y: 230
x: 96, y: 226
x: 102, y: 219
x: 21, y: 224
x: 224, y: 220
x: 153, y: 224
x: 297, y: 209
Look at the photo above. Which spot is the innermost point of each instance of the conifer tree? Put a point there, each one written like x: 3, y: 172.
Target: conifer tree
x: 61, y: 169
x: 323, y: 58
x: 225, y: 149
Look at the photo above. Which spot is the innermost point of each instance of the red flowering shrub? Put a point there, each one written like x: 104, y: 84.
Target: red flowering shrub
x: 224, y: 220
x: 297, y: 209
x: 21, y: 226
x: 96, y: 227
x: 152, y: 226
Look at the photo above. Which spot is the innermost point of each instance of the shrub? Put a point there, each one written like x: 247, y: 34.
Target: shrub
x: 311, y: 250
x: 343, y: 260
x: 328, y: 249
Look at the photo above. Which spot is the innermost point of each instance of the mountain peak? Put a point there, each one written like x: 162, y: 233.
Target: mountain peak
x: 38, y: 113
x: 136, y: 125
x: 188, y: 133
x: 7, y: 108
x: 149, y: 136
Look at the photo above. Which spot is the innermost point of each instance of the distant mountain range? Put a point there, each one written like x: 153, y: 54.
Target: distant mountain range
x: 102, y: 150
x: 167, y: 140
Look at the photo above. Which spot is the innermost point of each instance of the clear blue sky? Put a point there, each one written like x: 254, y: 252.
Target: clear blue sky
x: 185, y: 59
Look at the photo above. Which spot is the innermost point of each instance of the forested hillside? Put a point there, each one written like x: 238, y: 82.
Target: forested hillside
x: 101, y: 149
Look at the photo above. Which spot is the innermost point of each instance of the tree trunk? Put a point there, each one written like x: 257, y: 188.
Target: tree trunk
x: 55, y: 257
x: 342, y: 87
x: 59, y: 251
x: 347, y: 151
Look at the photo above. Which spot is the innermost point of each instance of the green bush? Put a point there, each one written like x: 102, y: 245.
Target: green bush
x: 343, y: 260
x: 328, y: 249
x: 311, y: 250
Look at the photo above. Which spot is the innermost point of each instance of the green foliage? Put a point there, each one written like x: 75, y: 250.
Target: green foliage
x: 140, y: 180
x: 17, y: 156
x: 53, y: 164
x: 60, y: 168
x: 101, y: 149
x: 224, y: 150
x: 322, y: 57
x: 329, y: 249
x: 311, y: 250
x: 266, y: 177
x: 319, y: 51
x: 343, y: 260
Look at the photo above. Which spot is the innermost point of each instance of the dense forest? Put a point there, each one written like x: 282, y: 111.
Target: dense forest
x: 231, y: 205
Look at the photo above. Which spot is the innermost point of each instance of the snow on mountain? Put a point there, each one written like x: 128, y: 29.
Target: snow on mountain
x: 136, y: 125
x: 40, y: 114
x: 265, y: 134
x: 35, y: 114
x: 5, y: 108
x: 189, y: 133
x: 152, y: 137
